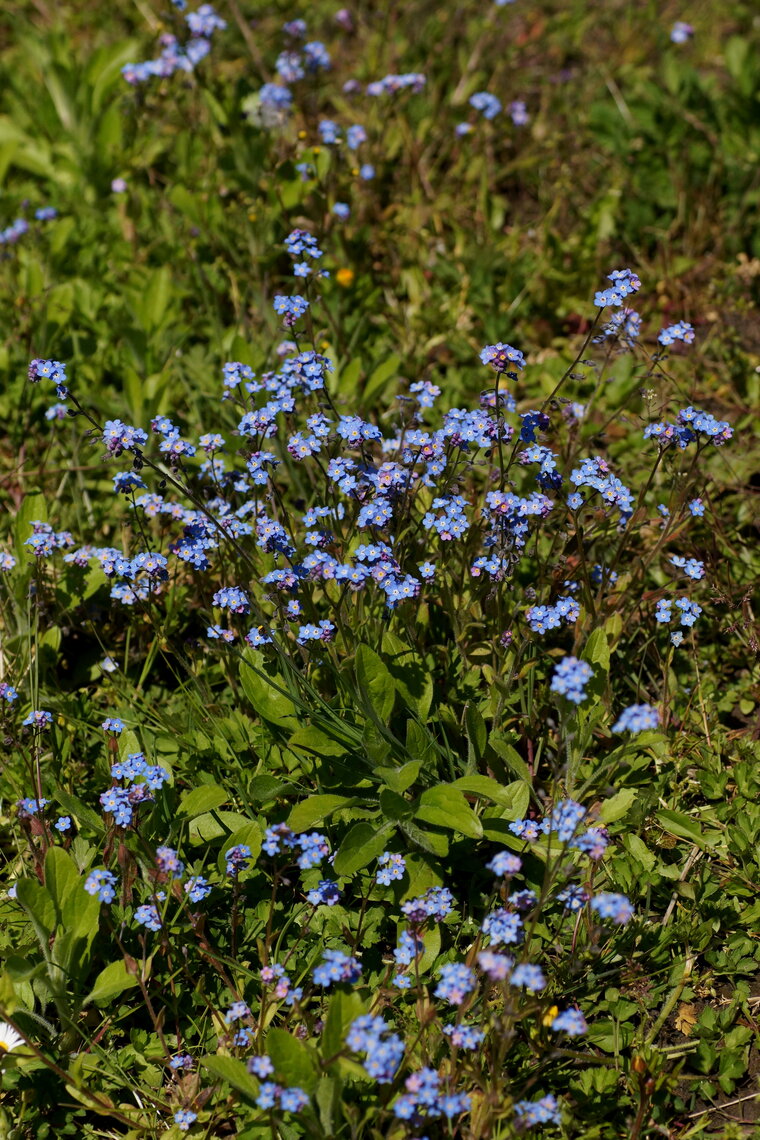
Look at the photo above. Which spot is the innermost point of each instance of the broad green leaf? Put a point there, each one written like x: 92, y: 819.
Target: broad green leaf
x: 445, y: 806
x: 509, y: 754
x: 477, y: 735
x: 39, y: 905
x: 363, y: 843
x: 315, y: 809
x: 61, y: 877
x: 639, y: 850
x: 215, y: 824
x: 33, y: 508
x: 234, y: 1073
x: 110, y: 982
x: 264, y: 789
x: 429, y: 841
x: 315, y: 742
x: 199, y: 800
x: 76, y: 910
x: 618, y: 805
x: 379, y: 380
x: 266, y: 699
x: 294, y: 1062
x: 400, y: 779
x: 488, y: 789
x: 431, y: 940
x: 684, y: 827
x: 375, y: 682
x: 342, y: 1009
x: 80, y: 811
x: 413, y: 680
x: 597, y: 651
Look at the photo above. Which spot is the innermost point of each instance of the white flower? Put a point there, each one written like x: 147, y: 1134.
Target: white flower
x: 9, y: 1038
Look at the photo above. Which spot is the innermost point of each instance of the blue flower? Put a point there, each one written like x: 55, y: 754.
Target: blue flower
x: 101, y: 883
x: 464, y: 1036
x: 457, y: 980
x: 336, y: 967
x: 392, y: 866
x: 570, y: 679
x: 38, y: 718
x: 113, y: 724
x: 184, y: 1118
x: 436, y: 903
x: 502, y: 357
x: 570, y: 1021
x: 504, y: 863
x: 327, y: 893
x: 238, y: 858
x: 293, y: 1099
x: 682, y: 330
x: 610, y: 905
x: 543, y: 1111
x: 488, y: 104
x: 197, y: 888
x: 637, y: 718
x: 503, y: 927
x: 384, y: 1050
x: 529, y: 977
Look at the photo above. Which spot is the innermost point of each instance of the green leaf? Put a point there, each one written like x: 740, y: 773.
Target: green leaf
x: 489, y: 789
x: 33, y: 507
x: 618, y: 805
x: 202, y: 799
x: 315, y: 809
x: 400, y: 779
x: 315, y: 742
x: 294, y: 1062
x: 363, y: 843
x: 235, y: 1074
x: 342, y: 1009
x: 446, y: 807
x: 509, y: 754
x: 429, y: 841
x: 81, y: 812
x: 375, y: 683
x: 266, y: 699
x: 379, y: 378
x: 431, y: 940
x: 39, y: 905
x: 413, y: 680
x: 76, y: 910
x: 61, y: 878
x: 639, y: 850
x: 684, y: 827
x: 215, y: 825
x: 477, y: 735
x: 264, y: 789
x: 110, y: 982
x: 597, y: 651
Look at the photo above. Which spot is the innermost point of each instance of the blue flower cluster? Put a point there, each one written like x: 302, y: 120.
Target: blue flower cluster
x: 543, y: 618
x: 425, y: 1100
x: 201, y: 25
x: 637, y: 718
x: 139, y: 781
x: 383, y: 1049
x: 570, y: 679
x: 691, y: 426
